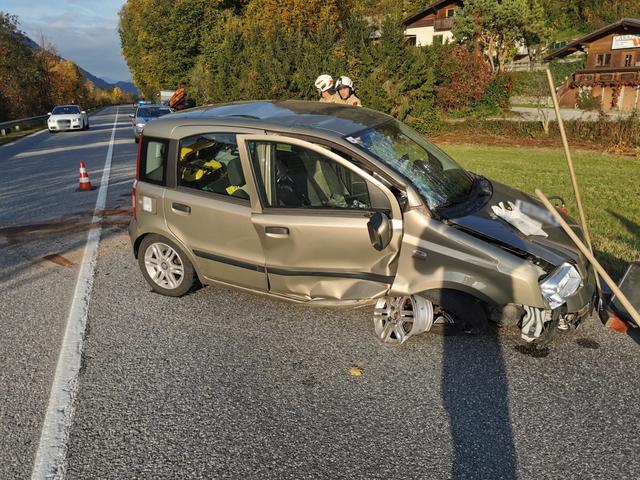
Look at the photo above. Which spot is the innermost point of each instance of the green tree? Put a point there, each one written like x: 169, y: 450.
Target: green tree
x: 497, y: 27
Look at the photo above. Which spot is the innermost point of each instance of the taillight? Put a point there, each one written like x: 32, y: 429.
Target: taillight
x: 135, y: 182
x: 133, y: 199
x: 138, y: 159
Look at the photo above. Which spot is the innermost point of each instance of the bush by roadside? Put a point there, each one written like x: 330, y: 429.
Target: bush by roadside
x: 620, y: 136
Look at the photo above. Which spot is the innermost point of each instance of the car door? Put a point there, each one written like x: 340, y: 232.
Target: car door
x: 311, y: 211
x: 209, y: 209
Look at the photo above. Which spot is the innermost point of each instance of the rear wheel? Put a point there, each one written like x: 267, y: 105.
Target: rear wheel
x: 165, y: 266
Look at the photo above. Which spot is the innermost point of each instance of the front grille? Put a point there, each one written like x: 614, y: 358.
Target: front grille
x: 64, y: 123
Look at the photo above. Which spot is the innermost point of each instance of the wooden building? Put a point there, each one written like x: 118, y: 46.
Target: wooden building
x: 612, y: 73
x: 432, y: 24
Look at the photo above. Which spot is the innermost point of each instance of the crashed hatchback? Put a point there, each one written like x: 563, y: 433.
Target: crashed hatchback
x: 337, y: 206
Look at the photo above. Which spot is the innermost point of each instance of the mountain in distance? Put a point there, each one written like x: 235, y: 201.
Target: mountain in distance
x: 126, y: 87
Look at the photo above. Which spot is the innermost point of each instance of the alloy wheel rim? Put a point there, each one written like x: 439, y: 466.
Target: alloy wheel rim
x: 164, y: 266
x: 396, y: 319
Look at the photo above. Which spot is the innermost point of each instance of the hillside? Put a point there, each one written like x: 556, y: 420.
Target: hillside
x: 126, y: 87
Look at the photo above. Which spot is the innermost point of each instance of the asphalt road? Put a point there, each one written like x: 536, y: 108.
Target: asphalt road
x: 222, y: 384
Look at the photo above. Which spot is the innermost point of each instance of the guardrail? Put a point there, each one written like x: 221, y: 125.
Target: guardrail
x: 7, y: 127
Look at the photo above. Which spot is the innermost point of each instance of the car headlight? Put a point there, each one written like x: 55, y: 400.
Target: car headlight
x: 563, y: 282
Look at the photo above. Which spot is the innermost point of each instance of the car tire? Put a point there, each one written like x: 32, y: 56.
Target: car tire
x: 86, y: 127
x: 137, y: 139
x: 165, y: 267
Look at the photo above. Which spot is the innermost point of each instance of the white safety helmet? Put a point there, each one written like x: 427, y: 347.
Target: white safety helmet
x: 344, y: 82
x: 324, y: 82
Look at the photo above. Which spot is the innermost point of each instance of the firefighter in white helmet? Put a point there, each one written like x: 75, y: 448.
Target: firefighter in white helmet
x: 325, y: 86
x: 346, y: 95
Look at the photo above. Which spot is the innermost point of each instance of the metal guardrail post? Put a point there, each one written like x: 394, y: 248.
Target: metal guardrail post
x: 12, y: 124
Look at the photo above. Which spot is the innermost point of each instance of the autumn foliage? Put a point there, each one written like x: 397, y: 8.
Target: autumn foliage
x: 464, y: 78
x: 33, y: 81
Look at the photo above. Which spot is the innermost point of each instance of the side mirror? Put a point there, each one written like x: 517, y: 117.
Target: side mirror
x: 380, y: 230
x: 131, y: 115
x: 49, y: 113
x: 83, y: 112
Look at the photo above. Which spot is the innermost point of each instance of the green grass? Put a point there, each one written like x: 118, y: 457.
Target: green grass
x: 609, y: 186
x: 13, y: 135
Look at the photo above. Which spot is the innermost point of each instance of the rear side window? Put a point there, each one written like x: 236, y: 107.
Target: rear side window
x: 153, y: 160
x: 211, y: 163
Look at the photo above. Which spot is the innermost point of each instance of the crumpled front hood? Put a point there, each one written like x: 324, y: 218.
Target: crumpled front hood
x: 554, y: 249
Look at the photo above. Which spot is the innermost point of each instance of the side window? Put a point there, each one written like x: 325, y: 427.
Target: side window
x: 153, y: 160
x: 290, y: 176
x: 211, y: 163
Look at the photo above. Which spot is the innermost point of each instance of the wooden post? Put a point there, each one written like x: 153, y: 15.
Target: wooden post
x: 572, y: 173
x: 567, y: 154
x: 587, y: 253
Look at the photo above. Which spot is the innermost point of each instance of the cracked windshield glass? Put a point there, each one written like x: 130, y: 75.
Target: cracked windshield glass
x: 437, y: 177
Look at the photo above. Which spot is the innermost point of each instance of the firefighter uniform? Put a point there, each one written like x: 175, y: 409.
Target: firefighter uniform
x: 350, y: 100
x: 335, y: 98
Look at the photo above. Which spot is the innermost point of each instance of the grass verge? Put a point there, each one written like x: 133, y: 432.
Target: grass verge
x: 14, y: 135
x: 608, y: 185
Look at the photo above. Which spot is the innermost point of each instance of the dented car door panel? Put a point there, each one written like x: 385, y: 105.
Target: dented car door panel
x: 319, y: 254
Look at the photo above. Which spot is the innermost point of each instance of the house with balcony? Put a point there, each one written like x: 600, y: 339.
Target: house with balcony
x: 432, y: 24
x: 612, y: 73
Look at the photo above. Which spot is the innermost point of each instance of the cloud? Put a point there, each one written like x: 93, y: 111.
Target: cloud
x: 85, y: 32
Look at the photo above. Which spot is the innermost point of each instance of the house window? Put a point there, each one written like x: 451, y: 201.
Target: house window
x: 410, y: 40
x: 450, y: 12
x: 438, y: 39
x: 603, y: 60
x: 627, y: 60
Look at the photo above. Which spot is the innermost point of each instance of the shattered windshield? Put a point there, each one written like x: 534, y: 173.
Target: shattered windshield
x: 438, y: 178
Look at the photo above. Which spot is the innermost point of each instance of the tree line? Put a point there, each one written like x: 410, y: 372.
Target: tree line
x: 222, y: 50
x: 32, y: 81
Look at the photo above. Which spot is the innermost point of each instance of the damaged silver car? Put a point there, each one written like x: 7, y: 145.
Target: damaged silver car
x: 332, y: 205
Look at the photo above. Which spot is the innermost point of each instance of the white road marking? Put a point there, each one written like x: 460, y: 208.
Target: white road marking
x: 51, y: 458
x: 49, y: 151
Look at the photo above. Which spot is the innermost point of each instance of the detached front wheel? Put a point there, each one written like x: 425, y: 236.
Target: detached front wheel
x: 165, y: 266
x: 396, y: 319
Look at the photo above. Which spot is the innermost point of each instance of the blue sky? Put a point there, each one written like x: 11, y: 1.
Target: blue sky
x: 83, y: 31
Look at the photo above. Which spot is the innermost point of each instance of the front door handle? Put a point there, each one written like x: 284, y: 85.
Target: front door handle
x: 181, y: 207
x: 276, y: 232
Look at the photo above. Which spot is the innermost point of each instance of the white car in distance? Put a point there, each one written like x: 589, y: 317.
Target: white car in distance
x: 67, y: 117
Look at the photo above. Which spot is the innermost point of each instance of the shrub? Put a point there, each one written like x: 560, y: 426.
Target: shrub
x: 586, y: 101
x: 496, y: 96
x: 463, y: 78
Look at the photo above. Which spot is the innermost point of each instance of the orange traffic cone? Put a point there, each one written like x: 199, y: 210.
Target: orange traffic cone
x: 85, y: 184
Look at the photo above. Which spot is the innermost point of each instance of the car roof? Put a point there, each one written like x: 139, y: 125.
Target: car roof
x: 294, y: 116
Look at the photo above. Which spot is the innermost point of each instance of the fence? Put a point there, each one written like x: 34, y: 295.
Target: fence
x: 21, y: 123
x: 524, y: 67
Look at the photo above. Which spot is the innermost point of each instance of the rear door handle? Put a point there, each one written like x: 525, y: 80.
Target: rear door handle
x: 276, y: 232
x: 181, y: 207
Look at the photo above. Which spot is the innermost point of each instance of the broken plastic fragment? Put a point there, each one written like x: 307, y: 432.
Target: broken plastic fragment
x: 512, y: 214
